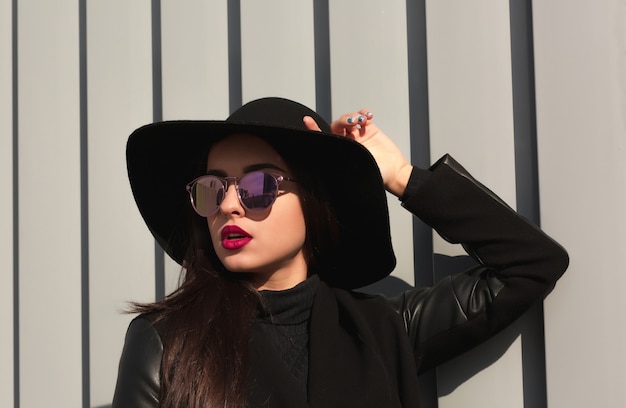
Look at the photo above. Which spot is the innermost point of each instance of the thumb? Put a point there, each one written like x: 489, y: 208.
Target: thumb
x: 311, y: 124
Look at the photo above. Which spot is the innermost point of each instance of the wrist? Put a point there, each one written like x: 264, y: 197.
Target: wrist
x: 399, y: 183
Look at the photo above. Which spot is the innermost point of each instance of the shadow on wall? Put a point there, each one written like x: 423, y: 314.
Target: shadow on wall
x: 452, y: 374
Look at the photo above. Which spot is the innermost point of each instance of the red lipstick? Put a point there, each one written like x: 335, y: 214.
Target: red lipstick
x: 234, y: 237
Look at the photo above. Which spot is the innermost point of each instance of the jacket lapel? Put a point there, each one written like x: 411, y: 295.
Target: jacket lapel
x: 344, y: 368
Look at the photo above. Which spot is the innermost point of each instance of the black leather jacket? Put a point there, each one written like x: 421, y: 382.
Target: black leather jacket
x: 517, y: 266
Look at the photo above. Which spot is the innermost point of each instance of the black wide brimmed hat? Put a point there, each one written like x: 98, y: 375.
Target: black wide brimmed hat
x: 163, y: 157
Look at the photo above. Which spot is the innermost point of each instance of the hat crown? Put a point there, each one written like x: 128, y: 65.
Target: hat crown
x: 276, y: 111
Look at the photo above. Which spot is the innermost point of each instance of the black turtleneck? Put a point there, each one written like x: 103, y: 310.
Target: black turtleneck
x: 287, y: 324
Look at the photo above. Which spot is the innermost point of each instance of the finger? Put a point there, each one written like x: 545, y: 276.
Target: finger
x: 360, y: 118
x: 311, y: 124
x: 367, y: 113
x: 349, y: 122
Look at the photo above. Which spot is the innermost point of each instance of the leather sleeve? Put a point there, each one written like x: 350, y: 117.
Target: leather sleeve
x: 138, y: 379
x: 518, y: 265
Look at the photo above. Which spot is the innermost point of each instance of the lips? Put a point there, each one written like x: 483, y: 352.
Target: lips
x: 234, y: 237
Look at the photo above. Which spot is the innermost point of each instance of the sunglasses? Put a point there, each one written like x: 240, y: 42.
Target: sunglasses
x: 256, y: 191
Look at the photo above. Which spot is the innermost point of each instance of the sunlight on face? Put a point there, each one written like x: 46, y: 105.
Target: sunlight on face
x: 267, y: 245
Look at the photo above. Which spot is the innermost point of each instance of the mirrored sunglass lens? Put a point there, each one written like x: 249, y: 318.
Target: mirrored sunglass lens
x: 258, y: 190
x: 207, y: 193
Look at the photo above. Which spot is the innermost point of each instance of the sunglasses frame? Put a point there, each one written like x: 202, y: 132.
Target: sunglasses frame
x: 227, y: 181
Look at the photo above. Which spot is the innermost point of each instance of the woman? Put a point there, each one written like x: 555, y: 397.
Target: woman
x: 276, y: 217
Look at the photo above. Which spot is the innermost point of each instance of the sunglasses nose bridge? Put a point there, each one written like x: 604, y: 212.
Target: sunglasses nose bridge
x: 232, y: 180
x: 226, y: 201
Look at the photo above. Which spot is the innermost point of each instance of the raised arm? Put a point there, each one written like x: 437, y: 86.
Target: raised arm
x: 518, y: 264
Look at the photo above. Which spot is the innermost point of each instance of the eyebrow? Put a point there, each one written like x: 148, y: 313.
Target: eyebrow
x: 248, y: 169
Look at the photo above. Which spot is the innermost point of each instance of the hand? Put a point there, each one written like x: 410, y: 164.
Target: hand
x: 359, y: 126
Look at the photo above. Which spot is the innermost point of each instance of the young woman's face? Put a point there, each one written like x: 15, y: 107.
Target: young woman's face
x: 267, y: 245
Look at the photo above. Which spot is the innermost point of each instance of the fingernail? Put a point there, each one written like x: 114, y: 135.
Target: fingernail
x: 350, y: 120
x: 368, y: 114
x: 360, y: 118
x: 358, y: 126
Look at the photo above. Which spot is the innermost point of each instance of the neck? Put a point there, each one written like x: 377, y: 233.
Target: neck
x: 280, y: 279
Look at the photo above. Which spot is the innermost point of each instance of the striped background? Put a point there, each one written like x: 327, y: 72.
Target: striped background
x: 531, y: 98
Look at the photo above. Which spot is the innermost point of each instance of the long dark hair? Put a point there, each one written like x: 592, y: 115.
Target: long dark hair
x: 205, y: 322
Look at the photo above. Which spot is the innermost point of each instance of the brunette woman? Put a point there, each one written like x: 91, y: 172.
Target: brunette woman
x: 277, y: 217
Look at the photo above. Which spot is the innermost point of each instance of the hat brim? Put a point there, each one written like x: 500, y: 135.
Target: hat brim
x: 163, y: 157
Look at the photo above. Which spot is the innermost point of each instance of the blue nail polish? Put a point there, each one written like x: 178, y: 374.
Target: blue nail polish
x: 360, y: 118
x: 350, y: 120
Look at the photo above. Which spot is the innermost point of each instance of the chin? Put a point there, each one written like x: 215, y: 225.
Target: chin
x: 236, y: 266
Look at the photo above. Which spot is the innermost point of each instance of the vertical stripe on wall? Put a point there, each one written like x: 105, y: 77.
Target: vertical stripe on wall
x: 277, y: 50
x: 470, y: 106
x: 527, y: 188
x: 15, y: 208
x: 321, y: 35
x: 580, y: 72
x: 524, y: 116
x: 417, y: 55
x: 84, y: 204
x: 157, y: 116
x: 121, y: 249
x: 234, y: 55
x: 49, y: 204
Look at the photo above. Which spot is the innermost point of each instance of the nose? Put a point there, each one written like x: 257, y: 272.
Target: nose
x: 231, y: 203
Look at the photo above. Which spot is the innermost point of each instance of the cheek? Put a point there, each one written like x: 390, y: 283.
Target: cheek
x: 213, y: 229
x: 283, y: 232
x: 292, y: 220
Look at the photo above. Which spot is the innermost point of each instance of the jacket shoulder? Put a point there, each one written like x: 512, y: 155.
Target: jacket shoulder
x: 138, y: 380
x: 373, y: 308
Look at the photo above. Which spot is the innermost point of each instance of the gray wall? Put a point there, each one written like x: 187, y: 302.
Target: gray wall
x: 531, y: 98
